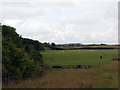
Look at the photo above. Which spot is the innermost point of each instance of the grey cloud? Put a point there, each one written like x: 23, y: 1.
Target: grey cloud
x: 63, y: 22
x: 20, y: 10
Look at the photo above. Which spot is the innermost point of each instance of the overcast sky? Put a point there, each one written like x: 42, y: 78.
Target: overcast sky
x: 63, y: 21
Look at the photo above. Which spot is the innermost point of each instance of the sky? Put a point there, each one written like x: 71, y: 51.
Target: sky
x: 63, y: 21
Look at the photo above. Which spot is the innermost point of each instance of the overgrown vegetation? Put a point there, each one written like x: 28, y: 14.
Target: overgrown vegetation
x: 21, y: 58
x: 104, y: 76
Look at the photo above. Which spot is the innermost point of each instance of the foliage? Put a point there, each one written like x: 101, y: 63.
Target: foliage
x: 52, y: 46
x: 46, y: 44
x: 33, y: 44
x: 21, y: 58
x: 105, y: 76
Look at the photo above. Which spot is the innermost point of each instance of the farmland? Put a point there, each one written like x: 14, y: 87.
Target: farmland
x: 87, y: 46
x: 103, y: 74
x: 76, y: 57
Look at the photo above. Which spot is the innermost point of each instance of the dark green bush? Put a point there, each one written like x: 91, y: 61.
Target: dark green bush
x: 19, y: 60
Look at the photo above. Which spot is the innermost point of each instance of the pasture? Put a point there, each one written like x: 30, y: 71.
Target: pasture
x: 72, y: 47
x: 76, y: 57
x: 104, y: 73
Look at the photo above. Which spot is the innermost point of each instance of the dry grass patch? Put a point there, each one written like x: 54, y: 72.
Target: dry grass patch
x: 105, y: 76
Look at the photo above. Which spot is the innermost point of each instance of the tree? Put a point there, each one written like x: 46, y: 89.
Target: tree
x: 37, y: 57
x: 52, y: 46
x: 18, y: 61
x: 46, y: 44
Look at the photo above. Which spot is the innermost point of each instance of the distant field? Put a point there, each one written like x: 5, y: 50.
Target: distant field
x: 76, y: 57
x: 104, y: 46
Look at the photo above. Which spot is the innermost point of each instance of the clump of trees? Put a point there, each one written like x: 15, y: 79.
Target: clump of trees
x: 21, y: 58
x: 52, y: 46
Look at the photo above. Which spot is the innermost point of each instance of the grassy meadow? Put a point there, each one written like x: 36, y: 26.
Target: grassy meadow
x: 104, y: 73
x: 105, y: 76
x: 76, y: 57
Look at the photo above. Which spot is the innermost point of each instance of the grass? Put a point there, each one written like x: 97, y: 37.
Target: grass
x: 76, y: 57
x: 68, y: 47
x: 104, y: 76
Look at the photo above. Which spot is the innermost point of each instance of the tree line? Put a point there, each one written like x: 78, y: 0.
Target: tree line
x: 21, y: 58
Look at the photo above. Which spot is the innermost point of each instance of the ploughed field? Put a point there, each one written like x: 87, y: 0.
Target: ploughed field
x: 72, y: 58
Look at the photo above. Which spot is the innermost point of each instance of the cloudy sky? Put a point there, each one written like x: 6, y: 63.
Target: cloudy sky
x: 63, y: 21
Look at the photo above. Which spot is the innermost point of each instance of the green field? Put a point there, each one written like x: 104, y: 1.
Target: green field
x: 76, y: 57
x: 103, y: 76
x: 104, y: 46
